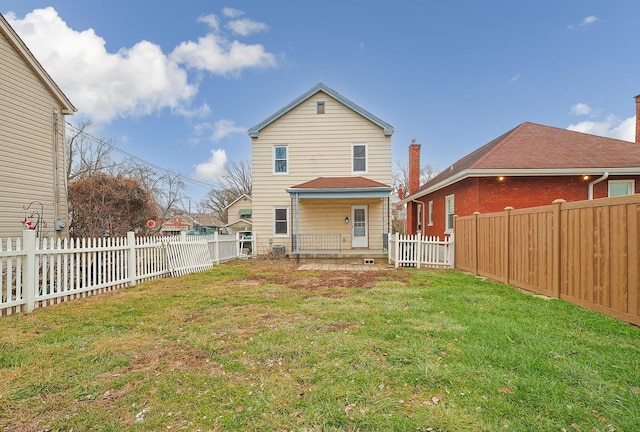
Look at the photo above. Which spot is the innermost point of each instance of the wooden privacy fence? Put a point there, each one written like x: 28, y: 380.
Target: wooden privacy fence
x: 418, y: 251
x: 585, y: 252
x: 37, y: 272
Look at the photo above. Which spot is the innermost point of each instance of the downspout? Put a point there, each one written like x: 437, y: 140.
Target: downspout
x: 596, y: 181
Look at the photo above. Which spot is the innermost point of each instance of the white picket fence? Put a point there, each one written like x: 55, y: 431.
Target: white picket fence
x: 418, y: 251
x: 38, y: 272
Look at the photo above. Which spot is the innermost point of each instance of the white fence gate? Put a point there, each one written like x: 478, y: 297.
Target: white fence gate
x: 37, y: 272
x: 418, y: 251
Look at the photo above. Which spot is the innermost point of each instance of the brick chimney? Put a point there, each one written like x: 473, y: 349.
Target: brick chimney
x: 414, y: 167
x: 400, y: 192
x: 638, y: 119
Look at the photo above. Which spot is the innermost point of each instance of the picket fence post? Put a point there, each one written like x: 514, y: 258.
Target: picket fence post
x: 131, y: 258
x: 397, y: 251
x: 30, y: 280
x: 216, y: 247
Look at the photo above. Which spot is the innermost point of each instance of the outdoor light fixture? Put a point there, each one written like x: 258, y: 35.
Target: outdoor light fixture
x: 501, y: 178
x: 585, y: 177
x: 346, y: 220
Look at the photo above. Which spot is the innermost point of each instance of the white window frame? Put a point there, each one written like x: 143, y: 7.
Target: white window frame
x: 286, y: 159
x: 366, y: 158
x: 275, y: 209
x: 631, y: 186
x: 449, y: 198
x: 322, y: 110
x: 430, y: 214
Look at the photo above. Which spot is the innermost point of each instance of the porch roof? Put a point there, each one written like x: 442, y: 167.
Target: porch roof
x: 340, y: 187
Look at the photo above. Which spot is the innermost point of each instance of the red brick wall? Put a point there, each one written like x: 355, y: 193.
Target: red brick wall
x: 488, y: 194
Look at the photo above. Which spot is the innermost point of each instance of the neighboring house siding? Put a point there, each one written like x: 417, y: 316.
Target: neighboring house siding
x: 233, y: 212
x: 318, y: 145
x: 32, y: 160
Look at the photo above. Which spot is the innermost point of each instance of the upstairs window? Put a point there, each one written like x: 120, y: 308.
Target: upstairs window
x: 359, y: 154
x: 621, y: 188
x: 319, y: 107
x: 280, y: 159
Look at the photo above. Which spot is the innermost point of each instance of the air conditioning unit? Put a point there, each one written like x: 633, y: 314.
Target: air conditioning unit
x: 279, y: 250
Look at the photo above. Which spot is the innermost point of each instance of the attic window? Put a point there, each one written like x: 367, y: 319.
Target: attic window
x: 319, y: 107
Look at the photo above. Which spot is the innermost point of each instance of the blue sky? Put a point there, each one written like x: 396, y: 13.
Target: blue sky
x: 179, y: 84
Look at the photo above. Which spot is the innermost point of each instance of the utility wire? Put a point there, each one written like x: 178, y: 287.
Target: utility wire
x: 166, y: 170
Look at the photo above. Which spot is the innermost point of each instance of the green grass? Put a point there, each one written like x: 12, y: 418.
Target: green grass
x: 260, y: 346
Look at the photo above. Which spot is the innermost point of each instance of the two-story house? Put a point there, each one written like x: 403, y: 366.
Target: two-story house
x: 321, y: 174
x: 32, y: 136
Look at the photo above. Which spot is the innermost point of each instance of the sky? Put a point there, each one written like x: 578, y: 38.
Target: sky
x: 179, y: 84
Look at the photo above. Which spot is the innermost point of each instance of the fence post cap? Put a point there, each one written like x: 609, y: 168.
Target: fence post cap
x: 476, y: 212
x: 509, y: 208
x: 559, y: 201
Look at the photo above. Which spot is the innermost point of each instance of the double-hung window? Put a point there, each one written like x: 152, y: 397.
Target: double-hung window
x: 280, y: 159
x: 359, y: 157
x: 449, y: 209
x: 281, y: 221
x: 621, y: 187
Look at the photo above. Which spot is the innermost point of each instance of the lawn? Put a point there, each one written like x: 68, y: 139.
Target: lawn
x: 260, y: 346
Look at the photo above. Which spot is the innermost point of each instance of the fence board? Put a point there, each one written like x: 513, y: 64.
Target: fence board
x: 585, y: 252
x: 39, y: 272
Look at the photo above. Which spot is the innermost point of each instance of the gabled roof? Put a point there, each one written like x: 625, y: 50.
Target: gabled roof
x: 238, y: 199
x: 254, y: 132
x: 19, y: 46
x: 532, y: 149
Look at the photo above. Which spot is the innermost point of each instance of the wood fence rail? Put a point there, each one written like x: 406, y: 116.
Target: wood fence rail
x: 584, y: 252
x: 37, y: 272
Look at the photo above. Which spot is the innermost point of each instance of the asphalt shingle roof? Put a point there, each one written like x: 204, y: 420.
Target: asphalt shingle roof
x: 532, y: 146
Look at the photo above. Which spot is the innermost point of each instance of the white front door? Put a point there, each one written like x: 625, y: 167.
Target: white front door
x: 359, y: 226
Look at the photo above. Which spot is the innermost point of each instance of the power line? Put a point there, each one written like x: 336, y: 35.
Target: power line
x: 139, y: 159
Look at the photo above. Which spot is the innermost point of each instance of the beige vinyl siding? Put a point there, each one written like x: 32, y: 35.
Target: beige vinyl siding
x: 31, y: 168
x: 319, y: 145
x: 326, y: 216
x: 233, y: 210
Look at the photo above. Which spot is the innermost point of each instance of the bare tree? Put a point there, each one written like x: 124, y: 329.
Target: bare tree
x: 400, y: 176
x: 86, y: 155
x: 232, y: 184
x: 167, y: 188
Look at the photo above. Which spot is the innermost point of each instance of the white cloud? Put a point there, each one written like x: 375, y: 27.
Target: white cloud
x: 611, y: 127
x: 581, y: 109
x: 223, y: 128
x: 587, y: 21
x: 515, y: 78
x: 211, y: 169
x: 244, y: 27
x: 215, y: 54
x: 232, y: 13
x: 134, y: 81
x: 211, y: 20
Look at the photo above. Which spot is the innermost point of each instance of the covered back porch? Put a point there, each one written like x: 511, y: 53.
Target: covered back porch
x: 340, y: 218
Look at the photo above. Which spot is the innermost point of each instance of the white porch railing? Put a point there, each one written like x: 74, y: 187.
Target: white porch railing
x: 418, y: 251
x: 37, y: 272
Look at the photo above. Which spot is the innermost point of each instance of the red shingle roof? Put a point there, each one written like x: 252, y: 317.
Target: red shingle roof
x: 340, y: 183
x: 532, y: 146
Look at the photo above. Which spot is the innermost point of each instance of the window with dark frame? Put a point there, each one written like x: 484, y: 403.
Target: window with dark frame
x: 320, y: 107
x: 281, y: 226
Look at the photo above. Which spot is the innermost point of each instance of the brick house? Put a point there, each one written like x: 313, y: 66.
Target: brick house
x: 530, y: 165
